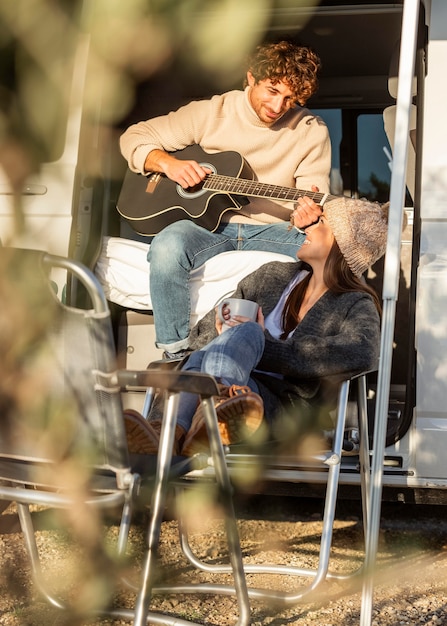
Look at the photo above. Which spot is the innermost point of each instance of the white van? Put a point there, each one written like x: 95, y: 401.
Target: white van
x: 69, y: 205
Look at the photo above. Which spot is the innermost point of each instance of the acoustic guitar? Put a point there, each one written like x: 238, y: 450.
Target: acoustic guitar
x: 149, y: 203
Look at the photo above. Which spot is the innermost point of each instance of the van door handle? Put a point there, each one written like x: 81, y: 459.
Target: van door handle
x: 28, y: 190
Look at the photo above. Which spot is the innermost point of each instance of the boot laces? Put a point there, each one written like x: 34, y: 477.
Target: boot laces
x: 238, y: 390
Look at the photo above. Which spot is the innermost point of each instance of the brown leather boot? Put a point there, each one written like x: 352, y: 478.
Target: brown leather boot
x: 239, y: 411
x: 143, y: 436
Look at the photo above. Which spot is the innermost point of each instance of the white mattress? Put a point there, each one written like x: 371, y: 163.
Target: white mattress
x: 123, y: 271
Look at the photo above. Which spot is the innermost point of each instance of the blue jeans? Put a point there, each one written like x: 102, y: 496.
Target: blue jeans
x: 184, y: 246
x: 231, y: 357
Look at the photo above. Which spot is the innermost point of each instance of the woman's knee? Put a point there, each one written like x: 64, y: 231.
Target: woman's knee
x: 194, y: 362
x: 250, y: 335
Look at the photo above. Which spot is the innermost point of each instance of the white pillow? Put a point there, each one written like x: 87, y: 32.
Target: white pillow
x: 123, y: 271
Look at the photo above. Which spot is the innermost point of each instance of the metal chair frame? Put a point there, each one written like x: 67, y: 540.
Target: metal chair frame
x: 121, y: 485
x: 117, y: 482
x: 283, y: 470
x: 288, y: 470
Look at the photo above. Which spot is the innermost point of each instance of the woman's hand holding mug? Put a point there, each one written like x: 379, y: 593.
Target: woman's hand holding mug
x: 234, y: 311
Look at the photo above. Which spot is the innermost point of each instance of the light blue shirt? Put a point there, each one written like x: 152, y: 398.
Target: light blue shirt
x: 272, y: 322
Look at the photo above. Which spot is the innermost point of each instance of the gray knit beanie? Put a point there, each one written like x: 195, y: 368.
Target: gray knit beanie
x: 360, y: 229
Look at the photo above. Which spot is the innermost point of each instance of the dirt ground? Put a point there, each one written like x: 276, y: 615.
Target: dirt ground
x: 410, y: 588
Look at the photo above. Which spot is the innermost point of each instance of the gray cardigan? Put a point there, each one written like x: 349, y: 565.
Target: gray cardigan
x: 338, y: 337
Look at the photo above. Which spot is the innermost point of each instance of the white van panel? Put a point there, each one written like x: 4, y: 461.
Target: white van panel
x: 47, y: 198
x: 430, y: 445
x: 431, y: 322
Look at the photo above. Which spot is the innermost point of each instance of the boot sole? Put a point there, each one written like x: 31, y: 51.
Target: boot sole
x: 141, y: 437
x: 239, y: 417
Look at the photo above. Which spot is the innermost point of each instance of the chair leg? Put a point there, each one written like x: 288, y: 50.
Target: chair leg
x: 167, y: 436
x: 331, y: 498
x: 364, y: 462
x: 27, y: 527
x: 226, y: 489
x: 126, y: 515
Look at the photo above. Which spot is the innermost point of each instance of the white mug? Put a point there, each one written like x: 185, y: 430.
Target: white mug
x: 237, y: 306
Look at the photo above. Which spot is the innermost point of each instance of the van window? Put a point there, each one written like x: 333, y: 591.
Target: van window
x: 361, y: 138
x: 374, y: 158
x: 35, y: 81
x: 333, y: 120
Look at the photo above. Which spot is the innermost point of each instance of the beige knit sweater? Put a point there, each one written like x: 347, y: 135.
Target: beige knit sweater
x: 293, y: 152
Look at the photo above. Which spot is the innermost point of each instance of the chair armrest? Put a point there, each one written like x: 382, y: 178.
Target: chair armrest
x: 169, y: 380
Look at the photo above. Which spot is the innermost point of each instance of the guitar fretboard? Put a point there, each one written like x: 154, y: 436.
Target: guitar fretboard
x: 254, y: 189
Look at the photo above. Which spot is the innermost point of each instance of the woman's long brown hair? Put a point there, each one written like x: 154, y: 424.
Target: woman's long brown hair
x: 338, y: 278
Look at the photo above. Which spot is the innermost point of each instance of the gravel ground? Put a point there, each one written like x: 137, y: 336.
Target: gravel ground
x: 411, y: 566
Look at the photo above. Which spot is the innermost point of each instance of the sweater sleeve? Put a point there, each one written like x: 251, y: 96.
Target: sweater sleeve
x: 333, y: 339
x: 171, y: 132
x: 315, y: 164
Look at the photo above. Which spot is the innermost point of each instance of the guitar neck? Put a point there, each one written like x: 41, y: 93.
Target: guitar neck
x: 254, y: 189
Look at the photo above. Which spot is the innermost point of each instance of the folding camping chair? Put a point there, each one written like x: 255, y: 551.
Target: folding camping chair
x: 62, y: 435
x: 323, y: 468
x: 350, y: 435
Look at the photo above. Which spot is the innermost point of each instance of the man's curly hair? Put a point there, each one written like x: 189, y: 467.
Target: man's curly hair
x: 296, y: 65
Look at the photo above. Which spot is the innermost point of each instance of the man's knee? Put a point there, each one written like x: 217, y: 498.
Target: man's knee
x: 169, y: 242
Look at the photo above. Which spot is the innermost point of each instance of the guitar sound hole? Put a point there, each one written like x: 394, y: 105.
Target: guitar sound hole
x: 196, y: 190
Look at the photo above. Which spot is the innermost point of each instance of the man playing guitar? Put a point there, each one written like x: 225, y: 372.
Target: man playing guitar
x: 282, y: 142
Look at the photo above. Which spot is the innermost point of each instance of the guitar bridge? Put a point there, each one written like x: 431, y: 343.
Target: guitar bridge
x: 152, y: 182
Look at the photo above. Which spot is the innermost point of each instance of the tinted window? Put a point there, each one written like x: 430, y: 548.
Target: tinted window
x: 366, y: 150
x: 374, y: 156
x: 36, y: 70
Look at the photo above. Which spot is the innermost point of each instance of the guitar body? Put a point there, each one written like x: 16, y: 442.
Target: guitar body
x: 151, y: 203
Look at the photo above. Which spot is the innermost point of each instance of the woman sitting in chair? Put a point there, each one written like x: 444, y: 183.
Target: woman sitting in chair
x: 317, y: 321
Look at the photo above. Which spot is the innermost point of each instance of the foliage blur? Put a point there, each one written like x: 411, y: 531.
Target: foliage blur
x: 128, y: 41
x: 60, y: 56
